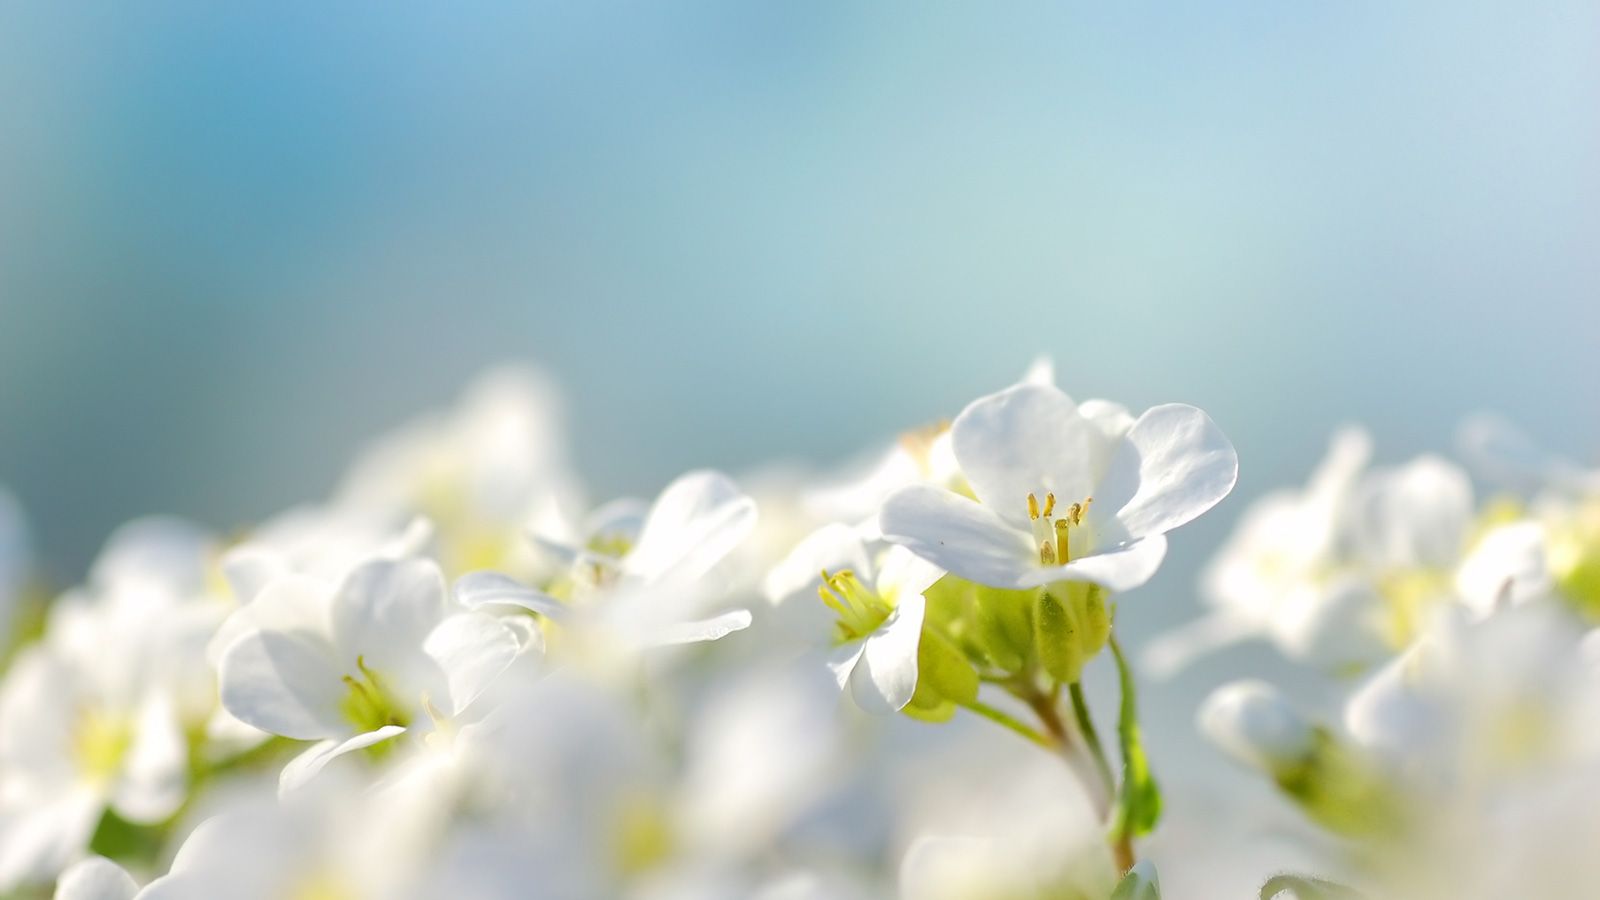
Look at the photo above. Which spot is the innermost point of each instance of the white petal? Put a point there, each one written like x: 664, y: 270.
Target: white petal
x: 1027, y: 439
x: 37, y: 842
x: 305, y: 767
x: 1041, y: 371
x: 843, y: 661
x: 1418, y: 514
x: 283, y: 683
x: 1120, y: 568
x: 95, y: 878
x: 249, y: 568
x: 1173, y: 465
x: 472, y: 649
x: 902, y: 573
x: 285, y: 603
x: 1510, y: 564
x: 833, y: 547
x: 156, y: 772
x: 386, y: 608
x: 886, y: 676
x: 700, y: 630
x: 475, y: 590
x: 695, y: 522
x: 958, y: 535
x: 1336, y: 626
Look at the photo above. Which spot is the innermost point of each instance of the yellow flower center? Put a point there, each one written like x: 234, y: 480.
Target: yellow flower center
x: 1052, y: 533
x: 100, y: 741
x: 861, y: 610
x: 369, y: 705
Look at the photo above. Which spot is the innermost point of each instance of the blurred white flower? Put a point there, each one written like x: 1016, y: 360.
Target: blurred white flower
x: 482, y: 473
x: 1348, y: 570
x: 358, y: 663
x: 636, y: 578
x: 100, y: 713
x: 95, y: 878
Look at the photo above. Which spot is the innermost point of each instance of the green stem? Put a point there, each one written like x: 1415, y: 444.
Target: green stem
x: 1080, y: 711
x: 1006, y: 720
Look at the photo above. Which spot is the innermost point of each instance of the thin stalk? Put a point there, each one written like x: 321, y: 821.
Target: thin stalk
x: 1006, y: 720
x: 1080, y: 711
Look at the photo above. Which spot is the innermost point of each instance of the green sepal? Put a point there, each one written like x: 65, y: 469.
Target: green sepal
x: 1139, y: 800
x: 989, y: 624
x: 944, y: 670
x: 1057, y: 638
x: 928, y: 706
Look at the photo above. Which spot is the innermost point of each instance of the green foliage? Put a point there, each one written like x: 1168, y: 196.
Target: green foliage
x: 1139, y: 801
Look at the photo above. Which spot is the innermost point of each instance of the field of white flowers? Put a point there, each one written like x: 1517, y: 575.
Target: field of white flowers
x: 460, y: 676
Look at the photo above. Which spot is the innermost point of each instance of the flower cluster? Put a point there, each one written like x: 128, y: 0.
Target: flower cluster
x: 457, y: 677
x: 1462, y: 756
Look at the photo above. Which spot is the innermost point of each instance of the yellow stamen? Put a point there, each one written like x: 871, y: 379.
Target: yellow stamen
x: 1062, y: 541
x: 1049, y: 503
x: 1047, y: 554
x: 1033, y: 507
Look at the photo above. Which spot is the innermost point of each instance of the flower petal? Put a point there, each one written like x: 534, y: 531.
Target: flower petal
x: 305, y: 767
x: 1027, y: 439
x: 902, y: 573
x: 1416, y: 515
x: 843, y: 661
x: 695, y: 522
x: 1174, y: 464
x: 285, y: 683
x: 1120, y: 568
x: 700, y: 630
x: 1509, y: 564
x: 958, y: 535
x: 95, y: 878
x: 472, y: 649
x: 833, y: 547
x: 886, y: 675
x: 475, y: 590
x: 155, y: 773
x: 385, y: 609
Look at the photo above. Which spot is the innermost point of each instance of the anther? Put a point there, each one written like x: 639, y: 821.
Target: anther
x: 1033, y: 507
x: 1049, y: 503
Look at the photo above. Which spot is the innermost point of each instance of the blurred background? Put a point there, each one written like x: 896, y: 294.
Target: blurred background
x: 235, y: 244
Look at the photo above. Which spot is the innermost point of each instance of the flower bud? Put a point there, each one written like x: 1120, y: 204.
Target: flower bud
x: 1253, y: 722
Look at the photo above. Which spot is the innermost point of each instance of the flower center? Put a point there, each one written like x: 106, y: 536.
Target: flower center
x: 369, y: 705
x: 1052, y: 533
x: 100, y: 741
x: 860, y: 609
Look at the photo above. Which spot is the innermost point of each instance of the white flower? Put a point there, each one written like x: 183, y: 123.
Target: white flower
x: 1064, y: 493
x: 1347, y: 570
x: 358, y: 663
x: 1255, y: 724
x: 101, y: 711
x: 638, y: 577
x: 95, y: 878
x: 482, y: 472
x: 879, y: 607
x: 336, y: 842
